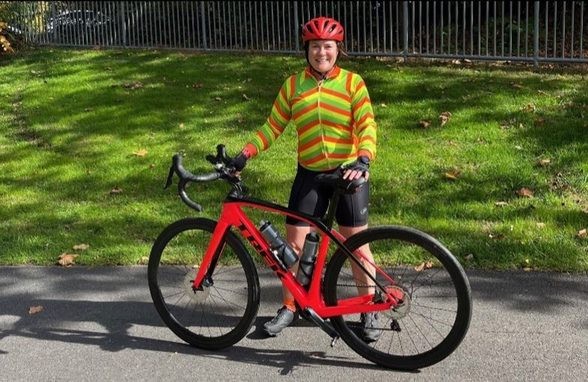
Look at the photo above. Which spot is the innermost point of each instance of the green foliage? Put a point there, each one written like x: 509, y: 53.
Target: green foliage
x: 5, y: 45
x: 86, y: 139
x: 9, y: 40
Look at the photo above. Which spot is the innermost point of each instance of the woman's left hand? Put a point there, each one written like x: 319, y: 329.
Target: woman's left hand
x: 354, y: 174
x: 359, y: 168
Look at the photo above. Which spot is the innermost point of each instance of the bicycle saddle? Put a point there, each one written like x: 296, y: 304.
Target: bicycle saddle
x: 335, y: 179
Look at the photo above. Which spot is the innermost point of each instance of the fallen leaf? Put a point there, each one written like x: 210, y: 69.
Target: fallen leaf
x: 583, y: 233
x: 544, y: 162
x: 425, y: 124
x: 246, y: 97
x: 501, y: 204
x: 423, y: 266
x: 218, y: 98
x: 516, y: 86
x: 197, y: 85
x: 469, y: 257
x: 452, y: 175
x: 35, y: 309
x: 116, y: 190
x: 67, y: 259
x: 383, y: 105
x: 181, y: 126
x: 444, y: 117
x: 144, y: 260
x: 140, y: 153
x: 529, y: 108
x: 81, y: 247
x: 525, y: 193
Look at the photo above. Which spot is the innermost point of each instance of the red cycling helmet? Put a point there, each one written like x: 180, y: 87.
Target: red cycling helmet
x: 322, y: 28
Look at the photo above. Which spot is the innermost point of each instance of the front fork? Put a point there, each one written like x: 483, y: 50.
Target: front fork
x: 216, y: 246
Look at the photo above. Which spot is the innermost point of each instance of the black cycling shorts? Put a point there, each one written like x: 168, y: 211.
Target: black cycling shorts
x: 312, y: 198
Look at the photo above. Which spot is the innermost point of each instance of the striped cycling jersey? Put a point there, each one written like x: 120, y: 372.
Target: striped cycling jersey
x: 333, y: 117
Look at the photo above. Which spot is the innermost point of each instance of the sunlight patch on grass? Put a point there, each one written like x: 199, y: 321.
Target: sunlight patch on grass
x: 73, y: 122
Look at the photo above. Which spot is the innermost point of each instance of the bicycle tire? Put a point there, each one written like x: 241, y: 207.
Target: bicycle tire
x: 218, y: 316
x: 436, y: 312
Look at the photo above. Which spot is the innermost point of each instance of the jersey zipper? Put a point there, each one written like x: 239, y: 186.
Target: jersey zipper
x: 325, y: 150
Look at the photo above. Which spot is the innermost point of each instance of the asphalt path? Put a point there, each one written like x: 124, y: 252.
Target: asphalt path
x: 98, y: 324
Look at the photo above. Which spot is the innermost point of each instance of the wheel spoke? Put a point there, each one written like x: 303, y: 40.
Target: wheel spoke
x: 216, y: 316
x: 430, y: 285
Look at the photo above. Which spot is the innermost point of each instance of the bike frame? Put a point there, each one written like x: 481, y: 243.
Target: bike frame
x: 232, y: 215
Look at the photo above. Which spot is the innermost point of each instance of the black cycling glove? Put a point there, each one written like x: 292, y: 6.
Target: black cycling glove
x: 362, y: 164
x: 239, y: 162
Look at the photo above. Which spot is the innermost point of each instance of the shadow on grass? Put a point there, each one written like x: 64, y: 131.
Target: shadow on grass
x: 191, y: 95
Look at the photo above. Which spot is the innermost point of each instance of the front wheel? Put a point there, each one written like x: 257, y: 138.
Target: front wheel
x: 434, y: 313
x: 221, y: 313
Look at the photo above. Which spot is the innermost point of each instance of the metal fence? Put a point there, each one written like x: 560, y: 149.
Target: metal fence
x: 538, y: 31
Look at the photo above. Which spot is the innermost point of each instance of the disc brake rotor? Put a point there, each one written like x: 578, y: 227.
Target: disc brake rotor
x: 196, y: 296
x: 403, y: 306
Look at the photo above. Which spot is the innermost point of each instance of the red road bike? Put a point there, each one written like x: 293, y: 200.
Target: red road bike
x: 204, y: 282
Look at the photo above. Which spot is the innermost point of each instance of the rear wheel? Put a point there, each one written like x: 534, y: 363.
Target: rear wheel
x: 222, y: 312
x: 434, y: 315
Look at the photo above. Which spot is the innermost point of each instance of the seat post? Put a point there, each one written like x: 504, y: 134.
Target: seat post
x: 329, y: 217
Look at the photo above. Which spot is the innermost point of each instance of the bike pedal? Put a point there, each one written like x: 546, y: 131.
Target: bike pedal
x: 334, y: 341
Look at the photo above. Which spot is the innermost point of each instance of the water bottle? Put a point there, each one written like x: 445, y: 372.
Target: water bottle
x: 284, y: 252
x: 309, y: 251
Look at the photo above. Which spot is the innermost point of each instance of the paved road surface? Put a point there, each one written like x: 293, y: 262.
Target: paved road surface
x: 98, y: 324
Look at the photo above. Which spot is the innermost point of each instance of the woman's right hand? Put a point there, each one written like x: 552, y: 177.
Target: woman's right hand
x: 238, y: 163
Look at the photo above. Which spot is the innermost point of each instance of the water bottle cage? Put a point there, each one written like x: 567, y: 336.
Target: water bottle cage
x: 280, y: 262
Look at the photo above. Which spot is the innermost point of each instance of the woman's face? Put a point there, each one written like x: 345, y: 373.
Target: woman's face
x: 322, y: 54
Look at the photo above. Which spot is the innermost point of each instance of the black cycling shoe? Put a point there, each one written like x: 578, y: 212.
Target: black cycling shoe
x: 369, y: 323
x: 284, y: 318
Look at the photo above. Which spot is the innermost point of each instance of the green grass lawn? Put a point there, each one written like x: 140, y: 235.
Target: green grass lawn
x: 86, y: 139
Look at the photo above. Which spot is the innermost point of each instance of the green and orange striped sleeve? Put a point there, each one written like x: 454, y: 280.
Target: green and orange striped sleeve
x: 276, y: 123
x: 363, y: 115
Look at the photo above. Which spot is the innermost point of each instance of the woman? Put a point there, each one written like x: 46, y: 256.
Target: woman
x: 331, y: 110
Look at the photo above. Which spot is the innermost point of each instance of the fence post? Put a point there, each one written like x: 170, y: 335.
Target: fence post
x: 203, y: 26
x: 52, y: 13
x: 536, y: 36
x: 405, y: 29
x: 296, y: 28
x: 122, y: 6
